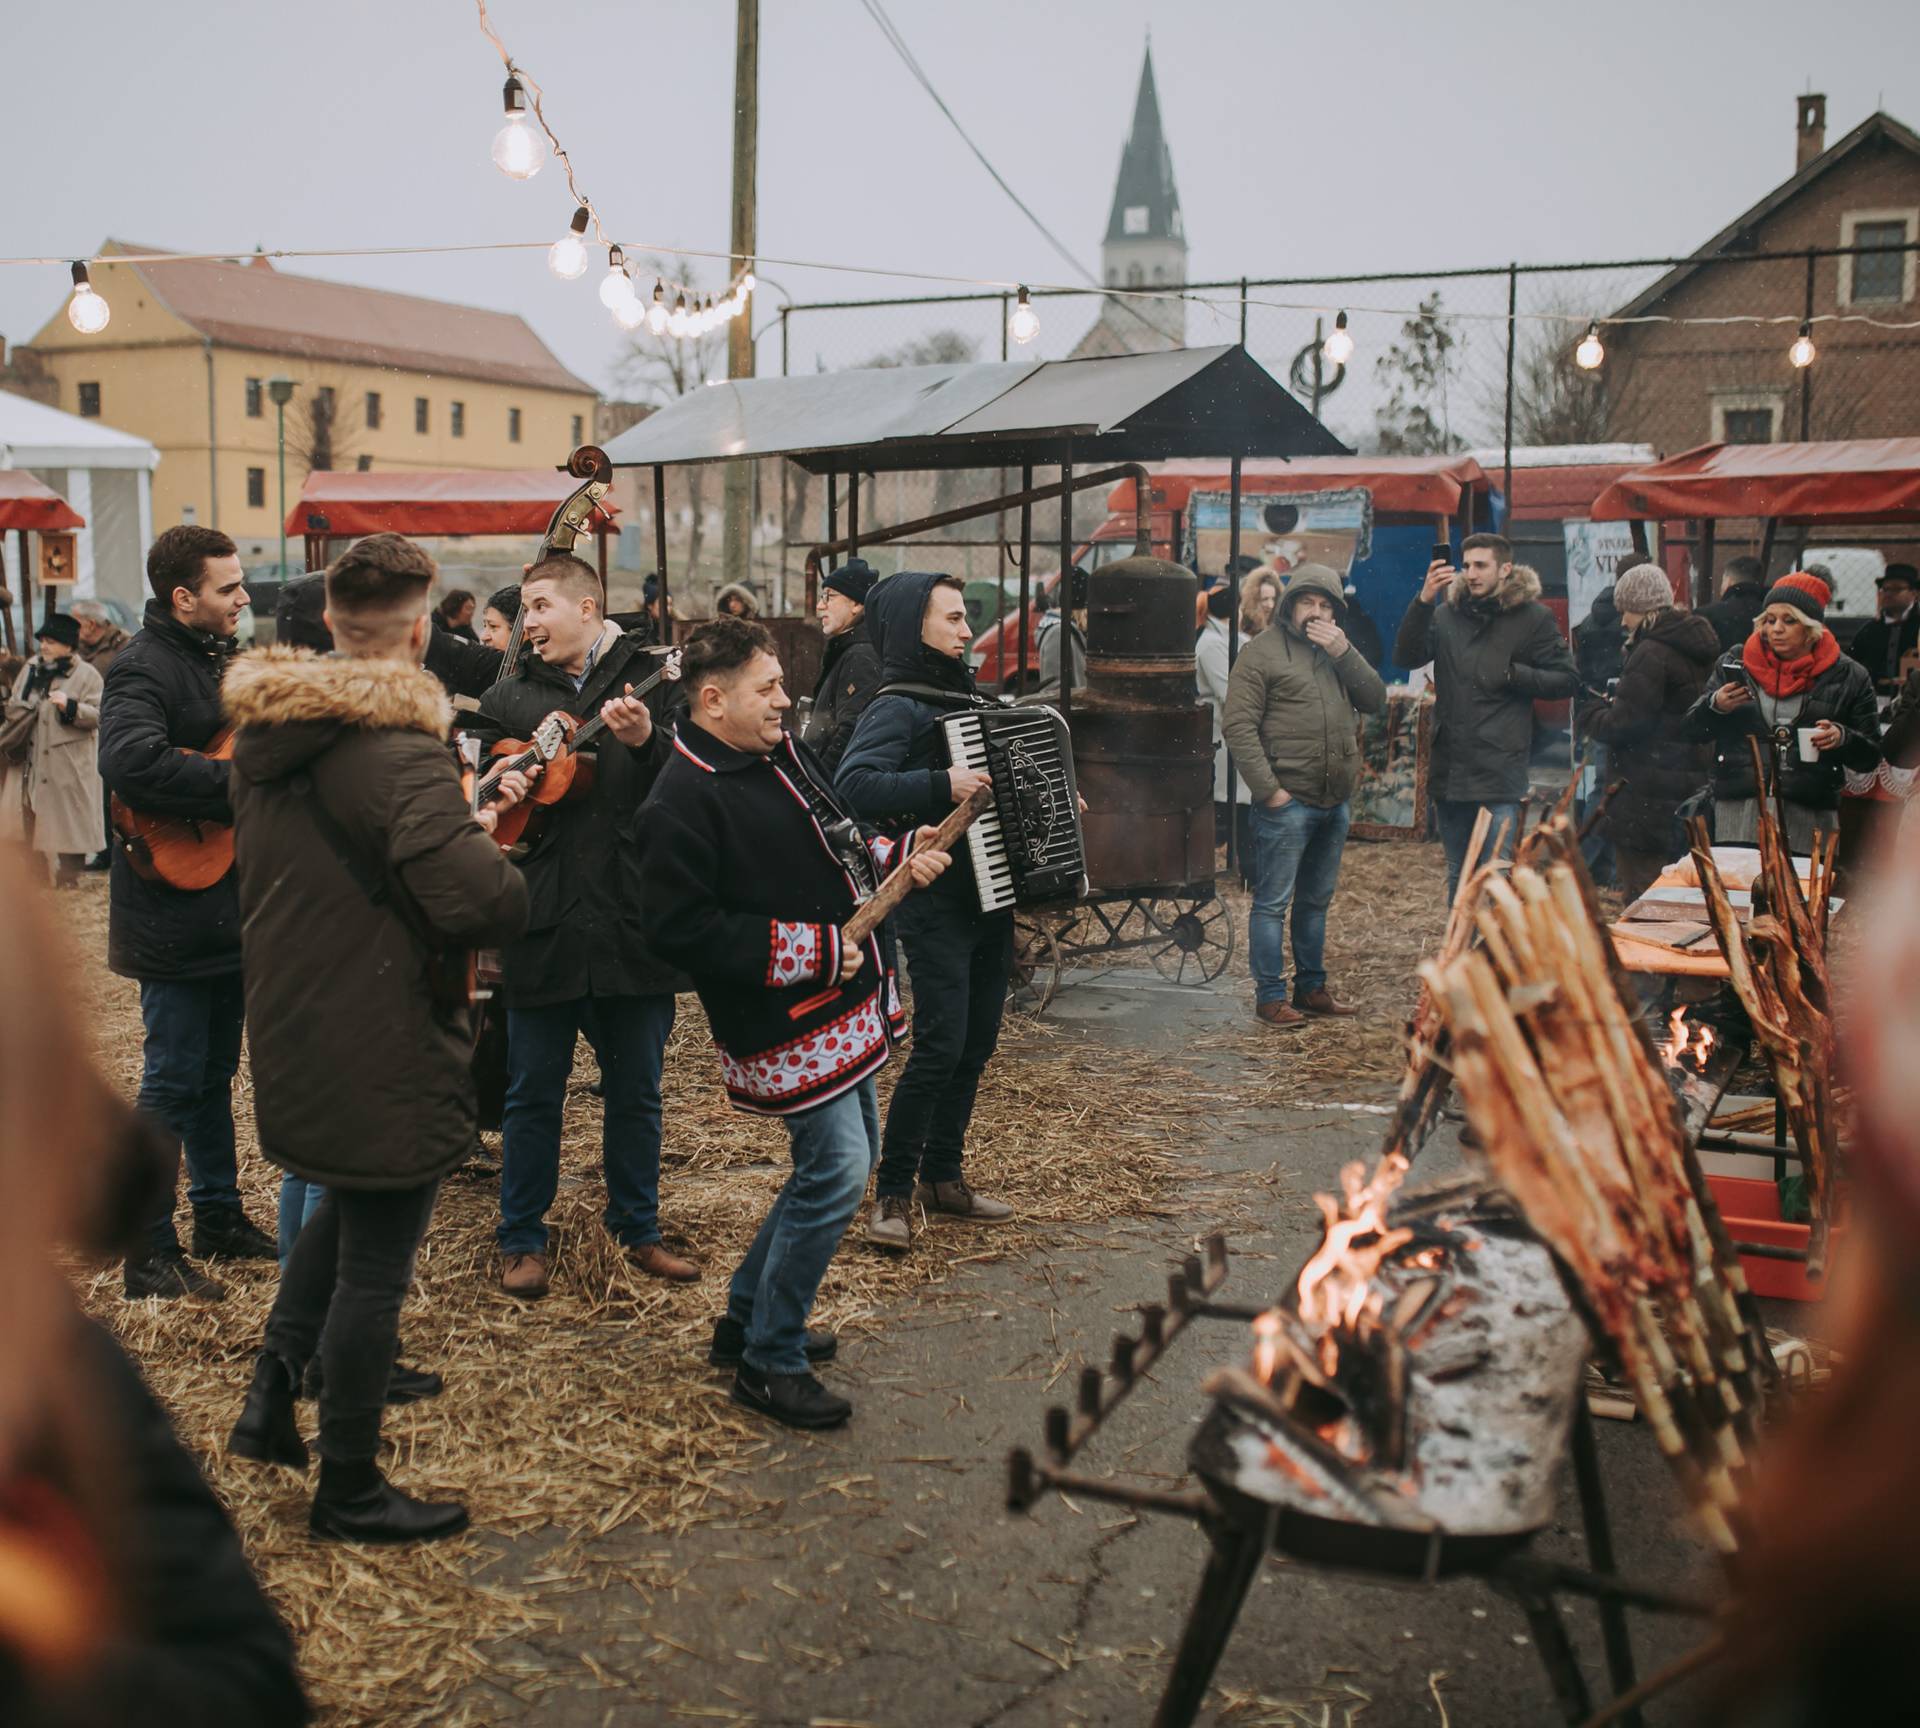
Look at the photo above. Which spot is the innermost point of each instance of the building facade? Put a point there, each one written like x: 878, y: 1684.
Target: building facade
x: 380, y: 380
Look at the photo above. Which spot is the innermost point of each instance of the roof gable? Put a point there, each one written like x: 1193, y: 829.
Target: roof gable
x: 255, y: 306
x: 1727, y: 242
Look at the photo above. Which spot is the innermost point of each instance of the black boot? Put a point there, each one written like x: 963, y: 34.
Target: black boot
x: 267, y: 1431
x: 729, y: 1346
x: 355, y: 1503
x: 226, y: 1233
x: 169, y: 1276
x: 798, y: 1400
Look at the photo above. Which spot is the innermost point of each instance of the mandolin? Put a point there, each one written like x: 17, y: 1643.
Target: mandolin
x: 181, y: 851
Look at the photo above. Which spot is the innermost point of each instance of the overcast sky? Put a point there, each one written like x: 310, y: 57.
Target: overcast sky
x: 1306, y: 140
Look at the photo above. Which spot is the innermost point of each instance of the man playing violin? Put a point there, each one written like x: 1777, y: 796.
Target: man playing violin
x: 583, y: 965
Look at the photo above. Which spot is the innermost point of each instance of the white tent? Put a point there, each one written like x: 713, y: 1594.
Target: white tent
x: 107, y: 476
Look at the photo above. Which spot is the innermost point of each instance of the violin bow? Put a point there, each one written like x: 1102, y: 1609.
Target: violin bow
x: 592, y: 467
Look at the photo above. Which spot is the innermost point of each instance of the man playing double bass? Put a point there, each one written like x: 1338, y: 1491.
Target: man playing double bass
x: 583, y: 965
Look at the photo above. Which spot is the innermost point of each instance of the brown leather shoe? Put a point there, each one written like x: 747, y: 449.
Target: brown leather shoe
x: 1280, y: 1014
x: 1321, y: 1003
x: 525, y: 1276
x: 656, y: 1262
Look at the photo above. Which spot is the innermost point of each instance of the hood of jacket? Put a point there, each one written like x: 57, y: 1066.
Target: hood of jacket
x: 1520, y: 584
x: 1311, y: 579
x: 1686, y: 633
x: 895, y: 610
x: 737, y: 591
x: 291, y: 704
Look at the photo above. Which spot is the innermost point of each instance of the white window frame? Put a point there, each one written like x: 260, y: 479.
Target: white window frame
x: 1850, y: 223
x: 1738, y: 400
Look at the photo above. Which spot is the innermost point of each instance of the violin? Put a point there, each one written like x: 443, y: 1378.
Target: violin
x: 555, y: 749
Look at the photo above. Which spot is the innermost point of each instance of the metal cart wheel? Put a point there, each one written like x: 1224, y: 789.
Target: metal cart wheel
x: 1037, y: 965
x: 1194, y: 939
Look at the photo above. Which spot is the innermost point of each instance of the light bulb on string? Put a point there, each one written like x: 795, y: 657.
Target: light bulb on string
x: 517, y: 149
x: 567, y: 256
x: 630, y: 314
x: 1591, y: 350
x: 87, y: 312
x: 616, y: 286
x: 1338, y: 347
x: 1803, y: 350
x: 657, y: 310
x: 1023, y: 323
x: 747, y: 285
x: 677, y: 318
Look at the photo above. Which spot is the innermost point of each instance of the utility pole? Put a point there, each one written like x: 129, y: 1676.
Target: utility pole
x: 737, y: 545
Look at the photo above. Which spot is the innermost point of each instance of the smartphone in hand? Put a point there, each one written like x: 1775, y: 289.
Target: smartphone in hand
x: 1442, y: 552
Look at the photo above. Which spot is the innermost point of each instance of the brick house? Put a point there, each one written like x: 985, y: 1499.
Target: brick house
x: 1678, y: 386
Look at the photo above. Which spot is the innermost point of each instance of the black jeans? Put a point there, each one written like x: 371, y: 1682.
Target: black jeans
x: 191, y: 1054
x: 341, y: 1293
x: 959, y: 960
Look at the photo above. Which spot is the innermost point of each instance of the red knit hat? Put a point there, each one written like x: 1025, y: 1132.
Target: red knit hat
x: 1804, y: 592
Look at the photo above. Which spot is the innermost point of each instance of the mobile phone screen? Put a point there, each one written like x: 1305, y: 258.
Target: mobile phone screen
x: 1442, y: 552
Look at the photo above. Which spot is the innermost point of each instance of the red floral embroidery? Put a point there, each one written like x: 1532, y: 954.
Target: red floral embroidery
x: 794, y: 953
x: 781, y: 1076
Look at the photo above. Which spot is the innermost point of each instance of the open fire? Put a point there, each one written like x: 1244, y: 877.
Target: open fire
x: 1687, y: 1044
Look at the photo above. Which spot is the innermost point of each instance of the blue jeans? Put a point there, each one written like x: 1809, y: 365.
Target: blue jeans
x: 299, y: 1200
x: 629, y: 1035
x: 1296, y: 864
x: 188, y: 1061
x: 1597, y: 848
x: 834, y: 1147
x: 1456, y: 817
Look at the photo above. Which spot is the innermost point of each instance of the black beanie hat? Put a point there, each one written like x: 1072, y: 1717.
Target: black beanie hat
x: 60, y: 628
x: 1804, y: 592
x: 855, y: 579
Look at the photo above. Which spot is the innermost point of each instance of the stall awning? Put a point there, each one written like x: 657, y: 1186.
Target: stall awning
x: 1126, y: 408
x: 26, y: 503
x: 1845, y: 480
x: 435, y: 501
x: 1417, y: 486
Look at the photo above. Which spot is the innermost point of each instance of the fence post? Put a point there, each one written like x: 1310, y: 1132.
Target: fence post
x: 1243, y: 311
x: 1506, y: 449
x: 1003, y: 326
x: 1806, y: 372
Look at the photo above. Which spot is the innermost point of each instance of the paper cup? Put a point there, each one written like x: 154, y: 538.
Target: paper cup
x: 1808, y: 753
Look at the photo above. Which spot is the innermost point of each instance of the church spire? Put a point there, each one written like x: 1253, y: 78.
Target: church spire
x: 1146, y: 205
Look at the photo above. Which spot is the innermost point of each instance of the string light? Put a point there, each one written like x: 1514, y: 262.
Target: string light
x: 616, y: 285
x: 630, y: 314
x: 677, y: 318
x: 657, y: 312
x: 1338, y: 347
x: 87, y: 312
x: 1023, y: 323
x: 1803, y: 350
x: 517, y: 149
x: 567, y: 256
x: 1591, y: 350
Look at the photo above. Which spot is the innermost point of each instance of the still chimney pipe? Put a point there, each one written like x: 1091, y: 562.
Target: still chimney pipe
x: 1810, y: 130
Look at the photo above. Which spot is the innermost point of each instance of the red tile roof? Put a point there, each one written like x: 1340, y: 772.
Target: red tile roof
x: 275, y: 312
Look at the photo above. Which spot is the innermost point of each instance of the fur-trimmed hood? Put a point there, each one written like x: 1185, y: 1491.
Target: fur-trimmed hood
x: 1522, y: 584
x: 291, y: 703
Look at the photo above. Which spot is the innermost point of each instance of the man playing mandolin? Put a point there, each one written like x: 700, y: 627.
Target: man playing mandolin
x: 159, y: 714
x: 583, y: 965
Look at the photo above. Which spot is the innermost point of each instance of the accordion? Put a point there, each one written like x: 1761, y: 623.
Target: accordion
x: 1026, y: 846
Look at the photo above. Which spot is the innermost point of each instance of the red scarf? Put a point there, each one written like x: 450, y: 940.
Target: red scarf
x: 1788, y: 677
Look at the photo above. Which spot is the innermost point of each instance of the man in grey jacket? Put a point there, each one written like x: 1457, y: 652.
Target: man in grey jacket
x: 1495, y: 651
x: 1292, y: 723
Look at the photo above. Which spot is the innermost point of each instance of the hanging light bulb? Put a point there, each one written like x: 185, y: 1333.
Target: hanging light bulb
x: 747, y: 285
x: 1023, y: 323
x: 517, y: 148
x: 616, y: 285
x: 1803, y: 350
x: 677, y: 318
x: 567, y: 256
x: 657, y: 310
x: 1338, y: 347
x: 631, y: 313
x: 86, y: 311
x: 1591, y: 350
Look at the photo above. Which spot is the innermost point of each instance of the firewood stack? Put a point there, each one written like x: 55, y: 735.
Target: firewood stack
x: 1575, y: 1118
x: 1778, y: 966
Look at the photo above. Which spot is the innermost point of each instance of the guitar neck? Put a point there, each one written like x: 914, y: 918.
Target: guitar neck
x: 899, y: 883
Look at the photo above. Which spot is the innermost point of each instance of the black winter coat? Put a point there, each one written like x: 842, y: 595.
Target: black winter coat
x: 162, y: 700
x: 1878, y: 646
x: 585, y: 935
x: 894, y: 773
x: 360, y: 1068
x: 750, y: 866
x: 1843, y: 693
x: 1599, y: 645
x: 1649, y: 748
x: 465, y: 667
x: 849, y: 676
x: 1732, y: 615
x: 1492, y: 660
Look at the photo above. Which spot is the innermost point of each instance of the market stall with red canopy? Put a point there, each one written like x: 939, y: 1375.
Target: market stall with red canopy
x: 343, y: 506
x: 29, y: 506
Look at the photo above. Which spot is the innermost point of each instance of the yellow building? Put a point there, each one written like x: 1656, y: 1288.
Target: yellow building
x: 381, y: 380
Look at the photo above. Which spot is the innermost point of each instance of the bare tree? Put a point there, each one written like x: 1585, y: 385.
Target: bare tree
x: 1413, y: 374
x: 662, y: 369
x: 1555, y: 399
x: 937, y: 348
x: 321, y: 434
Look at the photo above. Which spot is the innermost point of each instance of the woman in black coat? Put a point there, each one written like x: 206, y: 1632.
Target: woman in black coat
x: 1668, y: 657
x: 1788, y: 686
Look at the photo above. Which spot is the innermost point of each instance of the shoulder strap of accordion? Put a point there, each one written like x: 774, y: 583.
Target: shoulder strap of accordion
x: 933, y: 693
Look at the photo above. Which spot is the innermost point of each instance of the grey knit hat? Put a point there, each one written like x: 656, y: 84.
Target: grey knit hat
x: 1644, y: 588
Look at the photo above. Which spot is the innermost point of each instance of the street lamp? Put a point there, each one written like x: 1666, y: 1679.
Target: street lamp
x: 281, y: 390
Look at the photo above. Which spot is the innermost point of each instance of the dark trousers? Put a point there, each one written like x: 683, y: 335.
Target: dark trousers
x: 188, y: 1061
x: 959, y: 961
x: 1456, y: 817
x: 629, y: 1035
x: 341, y: 1293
